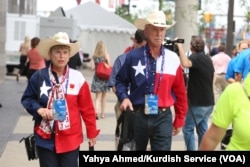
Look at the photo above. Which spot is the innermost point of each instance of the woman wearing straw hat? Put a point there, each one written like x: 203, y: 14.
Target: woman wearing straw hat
x: 153, y: 73
x: 57, y: 97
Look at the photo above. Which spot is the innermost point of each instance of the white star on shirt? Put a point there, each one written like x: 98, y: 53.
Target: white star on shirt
x: 44, y: 89
x: 139, y: 68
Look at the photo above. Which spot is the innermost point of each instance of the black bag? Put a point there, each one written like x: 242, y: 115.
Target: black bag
x: 226, y: 139
x: 126, y: 140
x: 29, y: 141
x: 30, y: 147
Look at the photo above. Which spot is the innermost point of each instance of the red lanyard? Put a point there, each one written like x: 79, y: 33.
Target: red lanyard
x: 57, y: 87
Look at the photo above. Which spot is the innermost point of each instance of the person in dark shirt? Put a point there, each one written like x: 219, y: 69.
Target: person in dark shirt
x: 199, y: 90
x: 75, y: 61
x: 139, y: 41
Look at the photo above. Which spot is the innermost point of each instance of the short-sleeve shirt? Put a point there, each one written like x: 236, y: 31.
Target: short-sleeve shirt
x: 200, y: 83
x: 242, y: 64
x: 233, y: 107
x: 230, y: 68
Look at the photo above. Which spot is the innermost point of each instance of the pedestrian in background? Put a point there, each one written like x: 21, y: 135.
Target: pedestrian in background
x: 234, y: 51
x: 199, y: 91
x: 99, y: 86
x: 76, y: 60
x: 232, y: 108
x: 230, y: 74
x: 36, y: 61
x: 58, y: 97
x: 242, y: 65
x: 214, y: 47
x: 151, y: 74
x: 139, y: 40
x: 23, y: 49
x: 220, y: 63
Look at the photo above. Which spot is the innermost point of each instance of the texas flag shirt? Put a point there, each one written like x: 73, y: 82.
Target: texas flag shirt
x: 142, y: 75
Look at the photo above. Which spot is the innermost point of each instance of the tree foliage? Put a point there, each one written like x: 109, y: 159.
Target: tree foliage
x: 164, y: 5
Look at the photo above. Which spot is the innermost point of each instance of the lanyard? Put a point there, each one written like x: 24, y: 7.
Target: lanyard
x: 148, y: 67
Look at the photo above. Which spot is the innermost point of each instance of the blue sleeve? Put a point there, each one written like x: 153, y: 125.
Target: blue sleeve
x: 239, y: 63
x: 30, y: 96
x: 122, y: 80
x: 230, y: 70
x: 116, y: 67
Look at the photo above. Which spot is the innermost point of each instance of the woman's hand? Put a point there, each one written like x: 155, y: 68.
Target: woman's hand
x: 45, y: 113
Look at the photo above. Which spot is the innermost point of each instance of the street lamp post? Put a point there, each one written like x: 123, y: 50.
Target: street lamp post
x: 230, y: 27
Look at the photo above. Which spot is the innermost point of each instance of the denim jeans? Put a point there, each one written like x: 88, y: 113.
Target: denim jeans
x: 49, y: 158
x: 201, y: 114
x: 156, y: 129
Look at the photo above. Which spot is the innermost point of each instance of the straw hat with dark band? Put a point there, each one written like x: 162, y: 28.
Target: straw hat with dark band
x: 61, y: 38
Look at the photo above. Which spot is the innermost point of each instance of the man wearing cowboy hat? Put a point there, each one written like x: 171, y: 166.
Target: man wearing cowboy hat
x: 155, y: 79
x: 57, y: 96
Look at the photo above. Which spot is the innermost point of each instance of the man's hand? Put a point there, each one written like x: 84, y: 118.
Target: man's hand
x: 126, y: 103
x: 113, y: 89
x: 175, y: 131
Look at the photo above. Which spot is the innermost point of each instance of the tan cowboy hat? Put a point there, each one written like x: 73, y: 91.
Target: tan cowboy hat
x: 61, y: 38
x: 155, y: 18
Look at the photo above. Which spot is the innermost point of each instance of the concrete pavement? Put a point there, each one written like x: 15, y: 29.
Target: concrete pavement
x: 15, y: 123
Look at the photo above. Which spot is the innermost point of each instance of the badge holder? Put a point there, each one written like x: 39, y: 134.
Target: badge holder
x: 151, y: 105
x: 59, y: 111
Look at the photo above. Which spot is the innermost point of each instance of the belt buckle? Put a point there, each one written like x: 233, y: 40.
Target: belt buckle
x: 163, y: 109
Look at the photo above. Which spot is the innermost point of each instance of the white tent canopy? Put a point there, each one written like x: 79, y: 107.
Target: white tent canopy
x: 95, y: 23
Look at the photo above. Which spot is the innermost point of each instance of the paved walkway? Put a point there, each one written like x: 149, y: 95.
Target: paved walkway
x: 16, y: 123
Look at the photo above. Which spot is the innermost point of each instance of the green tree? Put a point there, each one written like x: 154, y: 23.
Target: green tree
x: 248, y: 20
x: 123, y: 12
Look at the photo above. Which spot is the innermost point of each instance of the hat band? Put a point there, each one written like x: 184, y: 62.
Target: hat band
x: 159, y: 23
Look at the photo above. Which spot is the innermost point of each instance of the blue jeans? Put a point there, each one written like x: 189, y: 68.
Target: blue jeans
x: 201, y: 114
x: 49, y: 158
x: 157, y: 129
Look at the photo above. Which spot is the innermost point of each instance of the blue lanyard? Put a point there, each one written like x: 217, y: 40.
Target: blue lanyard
x: 147, y: 69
